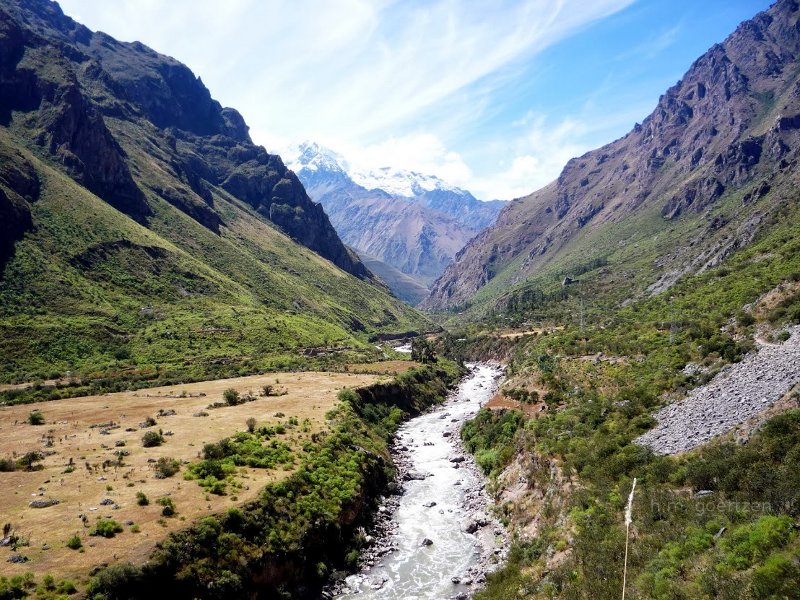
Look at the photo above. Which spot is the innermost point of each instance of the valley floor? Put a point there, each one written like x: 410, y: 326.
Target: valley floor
x: 81, y: 437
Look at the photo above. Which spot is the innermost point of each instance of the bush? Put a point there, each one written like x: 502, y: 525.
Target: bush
x: 107, y: 528
x: 152, y: 439
x: 231, y: 397
x: 74, y: 543
x: 7, y: 465
x: 166, y: 467
x: 29, y: 459
x: 251, y: 424
x: 36, y: 418
x: 168, y: 506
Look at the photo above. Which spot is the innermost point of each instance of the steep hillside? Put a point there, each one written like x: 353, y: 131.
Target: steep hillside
x: 411, y: 222
x: 700, y: 177
x: 403, y: 286
x: 144, y: 234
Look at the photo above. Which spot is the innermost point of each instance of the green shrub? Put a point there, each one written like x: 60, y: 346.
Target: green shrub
x: 141, y: 499
x: 168, y: 506
x: 231, y: 397
x: 152, y: 439
x: 778, y: 577
x: 106, y: 528
x: 166, y: 467
x: 74, y: 543
x: 29, y: 459
x: 36, y: 418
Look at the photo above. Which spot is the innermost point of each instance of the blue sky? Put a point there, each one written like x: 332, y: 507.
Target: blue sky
x: 493, y: 96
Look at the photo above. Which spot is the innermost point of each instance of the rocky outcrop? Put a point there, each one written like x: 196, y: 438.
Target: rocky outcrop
x: 19, y: 186
x: 728, y: 127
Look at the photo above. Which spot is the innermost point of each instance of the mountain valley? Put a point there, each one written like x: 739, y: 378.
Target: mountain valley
x: 226, y: 373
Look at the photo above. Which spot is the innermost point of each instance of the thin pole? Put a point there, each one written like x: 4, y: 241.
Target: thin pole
x: 628, y: 519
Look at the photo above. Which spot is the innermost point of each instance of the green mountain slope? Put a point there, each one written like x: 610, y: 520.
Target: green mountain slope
x: 145, y: 236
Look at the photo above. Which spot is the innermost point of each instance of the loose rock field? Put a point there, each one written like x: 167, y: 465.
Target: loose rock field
x: 736, y: 394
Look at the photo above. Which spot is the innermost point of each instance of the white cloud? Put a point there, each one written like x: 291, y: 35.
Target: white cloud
x: 358, y: 67
x: 377, y: 80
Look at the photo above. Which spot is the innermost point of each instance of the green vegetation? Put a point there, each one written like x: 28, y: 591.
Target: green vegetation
x: 36, y: 418
x: 142, y: 499
x: 152, y: 439
x: 21, y: 586
x: 166, y: 467
x: 258, y: 449
x: 28, y: 460
x: 167, y: 506
x: 231, y: 397
x: 74, y: 543
x: 490, y: 437
x: 107, y: 528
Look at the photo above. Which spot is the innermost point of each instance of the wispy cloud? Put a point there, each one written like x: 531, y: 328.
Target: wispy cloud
x: 387, y: 79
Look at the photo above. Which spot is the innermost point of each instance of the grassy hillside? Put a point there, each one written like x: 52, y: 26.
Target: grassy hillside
x: 92, y: 293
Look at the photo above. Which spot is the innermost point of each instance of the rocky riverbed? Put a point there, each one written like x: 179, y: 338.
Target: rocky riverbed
x: 437, y: 538
x: 739, y: 392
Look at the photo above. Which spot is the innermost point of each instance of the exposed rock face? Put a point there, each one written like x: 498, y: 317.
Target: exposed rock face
x: 19, y: 185
x: 730, y: 124
x: 91, y: 101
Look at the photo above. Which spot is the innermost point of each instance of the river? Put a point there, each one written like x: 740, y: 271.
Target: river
x: 442, y: 496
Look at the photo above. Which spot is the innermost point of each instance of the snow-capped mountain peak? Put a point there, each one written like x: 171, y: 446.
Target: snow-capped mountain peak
x: 313, y: 157
x: 399, y: 182
x: 310, y: 157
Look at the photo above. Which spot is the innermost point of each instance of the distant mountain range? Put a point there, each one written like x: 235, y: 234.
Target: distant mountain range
x: 399, y: 222
x: 714, y: 167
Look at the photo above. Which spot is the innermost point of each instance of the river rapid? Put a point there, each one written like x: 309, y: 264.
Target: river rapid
x: 423, y: 548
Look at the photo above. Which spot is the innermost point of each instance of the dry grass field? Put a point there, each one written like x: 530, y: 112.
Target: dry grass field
x: 69, y: 429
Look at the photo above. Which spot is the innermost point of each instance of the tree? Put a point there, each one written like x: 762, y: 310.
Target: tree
x: 422, y: 351
x: 29, y: 460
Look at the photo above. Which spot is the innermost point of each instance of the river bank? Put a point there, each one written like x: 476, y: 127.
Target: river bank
x: 436, y: 538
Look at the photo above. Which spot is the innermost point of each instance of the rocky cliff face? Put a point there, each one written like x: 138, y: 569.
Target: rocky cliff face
x: 722, y: 139
x: 89, y: 102
x: 417, y: 233
x: 19, y: 185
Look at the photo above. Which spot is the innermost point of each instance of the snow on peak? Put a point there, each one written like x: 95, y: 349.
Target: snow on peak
x: 399, y: 182
x: 313, y: 157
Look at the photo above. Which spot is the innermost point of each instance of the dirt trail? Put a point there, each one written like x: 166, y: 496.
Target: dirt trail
x: 737, y: 393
